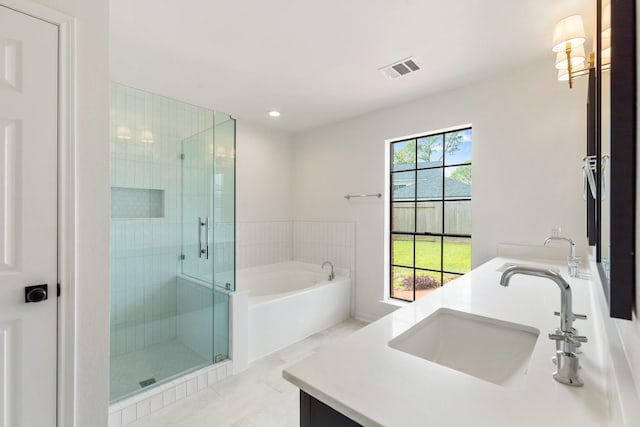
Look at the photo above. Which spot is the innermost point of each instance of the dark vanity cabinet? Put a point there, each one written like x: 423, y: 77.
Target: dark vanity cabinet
x: 314, y: 413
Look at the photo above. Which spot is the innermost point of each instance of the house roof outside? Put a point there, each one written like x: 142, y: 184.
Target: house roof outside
x: 429, y: 183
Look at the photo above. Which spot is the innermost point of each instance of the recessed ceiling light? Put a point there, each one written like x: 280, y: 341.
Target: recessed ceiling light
x: 274, y: 113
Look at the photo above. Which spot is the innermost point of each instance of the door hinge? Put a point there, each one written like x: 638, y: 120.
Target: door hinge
x: 182, y: 257
x: 181, y: 156
x: 58, y: 293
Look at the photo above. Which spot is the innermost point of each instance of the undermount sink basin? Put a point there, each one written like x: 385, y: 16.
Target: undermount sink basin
x: 490, y: 349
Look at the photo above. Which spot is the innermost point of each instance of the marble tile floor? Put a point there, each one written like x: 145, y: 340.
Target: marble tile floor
x: 257, y: 397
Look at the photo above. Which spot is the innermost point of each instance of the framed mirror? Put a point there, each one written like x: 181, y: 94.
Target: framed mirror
x: 615, y: 146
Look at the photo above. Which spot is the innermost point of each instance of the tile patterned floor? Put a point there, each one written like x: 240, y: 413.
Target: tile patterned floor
x: 258, y: 397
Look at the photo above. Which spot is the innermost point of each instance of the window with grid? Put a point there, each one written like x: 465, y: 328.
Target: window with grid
x: 430, y: 212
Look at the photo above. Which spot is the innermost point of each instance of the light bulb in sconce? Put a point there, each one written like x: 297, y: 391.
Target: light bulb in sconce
x: 577, y: 59
x: 146, y: 136
x: 123, y: 132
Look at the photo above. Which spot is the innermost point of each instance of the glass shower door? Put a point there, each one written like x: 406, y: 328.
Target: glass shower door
x: 208, y: 234
x: 194, y: 288
x: 197, y: 205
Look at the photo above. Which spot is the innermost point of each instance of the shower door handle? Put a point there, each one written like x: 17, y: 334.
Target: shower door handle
x: 203, y: 223
x: 199, y: 237
x: 206, y: 237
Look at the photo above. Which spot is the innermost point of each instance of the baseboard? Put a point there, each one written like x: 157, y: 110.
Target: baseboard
x: 364, y: 317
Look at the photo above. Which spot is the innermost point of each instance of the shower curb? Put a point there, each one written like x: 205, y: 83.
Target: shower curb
x: 131, y: 409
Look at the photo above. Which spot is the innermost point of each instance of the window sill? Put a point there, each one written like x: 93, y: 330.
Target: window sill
x: 394, y: 304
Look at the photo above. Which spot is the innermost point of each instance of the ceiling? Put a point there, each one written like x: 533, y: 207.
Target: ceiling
x: 316, y: 61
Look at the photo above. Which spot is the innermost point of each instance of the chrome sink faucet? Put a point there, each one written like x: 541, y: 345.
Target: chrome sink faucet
x: 331, y: 275
x: 567, y: 339
x: 572, y: 260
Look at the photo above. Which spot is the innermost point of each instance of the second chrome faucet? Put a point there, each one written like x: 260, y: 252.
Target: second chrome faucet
x: 566, y: 337
x: 572, y: 260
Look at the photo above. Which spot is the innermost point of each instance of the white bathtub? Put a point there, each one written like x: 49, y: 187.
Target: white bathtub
x: 289, y: 301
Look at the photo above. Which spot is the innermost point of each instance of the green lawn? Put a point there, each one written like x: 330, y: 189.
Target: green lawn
x: 457, y: 256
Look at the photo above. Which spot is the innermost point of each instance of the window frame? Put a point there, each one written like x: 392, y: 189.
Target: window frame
x: 443, y: 200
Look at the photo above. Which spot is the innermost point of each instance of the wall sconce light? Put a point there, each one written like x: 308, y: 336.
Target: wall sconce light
x: 568, y: 43
x: 567, y: 37
x: 123, y: 132
x: 146, y: 136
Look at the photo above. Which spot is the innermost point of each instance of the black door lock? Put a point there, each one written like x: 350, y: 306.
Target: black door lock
x: 36, y: 293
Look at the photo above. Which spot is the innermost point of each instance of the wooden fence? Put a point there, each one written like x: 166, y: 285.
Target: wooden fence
x: 429, y: 217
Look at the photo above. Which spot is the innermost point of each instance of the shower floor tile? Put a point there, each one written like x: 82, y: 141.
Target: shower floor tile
x: 159, y: 361
x: 258, y: 397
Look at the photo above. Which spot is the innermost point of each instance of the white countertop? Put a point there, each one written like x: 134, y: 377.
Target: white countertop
x: 376, y: 385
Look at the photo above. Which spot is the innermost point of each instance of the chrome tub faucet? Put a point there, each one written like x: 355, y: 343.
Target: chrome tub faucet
x: 566, y: 337
x: 331, y: 275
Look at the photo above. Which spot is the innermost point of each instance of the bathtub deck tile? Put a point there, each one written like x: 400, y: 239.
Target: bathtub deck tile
x: 257, y: 397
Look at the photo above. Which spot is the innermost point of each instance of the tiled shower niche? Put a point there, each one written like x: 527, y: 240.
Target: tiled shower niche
x: 148, y: 341
x: 136, y: 203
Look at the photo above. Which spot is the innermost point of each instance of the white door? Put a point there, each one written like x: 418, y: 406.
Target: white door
x: 28, y: 219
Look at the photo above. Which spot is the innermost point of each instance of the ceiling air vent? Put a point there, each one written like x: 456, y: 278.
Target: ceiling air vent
x: 400, y: 68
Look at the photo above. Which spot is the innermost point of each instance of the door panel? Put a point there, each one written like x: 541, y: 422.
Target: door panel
x: 10, y: 64
x: 28, y: 219
x: 8, y: 214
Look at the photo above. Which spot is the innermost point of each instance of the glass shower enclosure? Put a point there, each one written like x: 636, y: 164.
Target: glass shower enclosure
x: 172, y: 238
x: 208, y: 230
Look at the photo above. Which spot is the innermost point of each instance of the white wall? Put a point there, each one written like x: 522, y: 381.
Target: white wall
x: 263, y: 173
x: 92, y: 208
x: 263, y: 195
x: 528, y: 142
